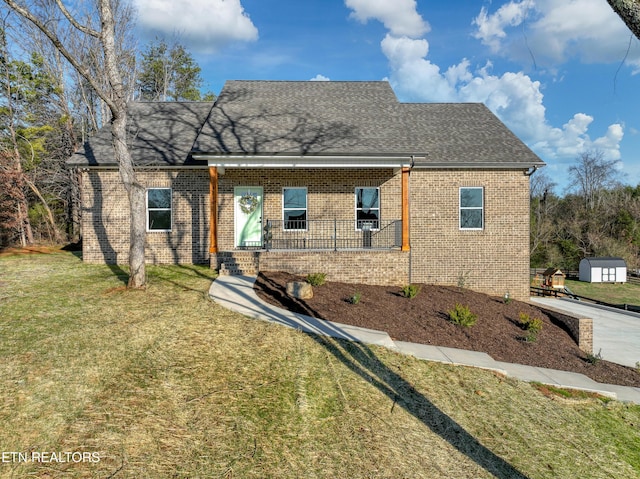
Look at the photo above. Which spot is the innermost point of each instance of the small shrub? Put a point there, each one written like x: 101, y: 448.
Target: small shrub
x: 316, y: 279
x: 506, y: 298
x: 462, y: 316
x: 462, y: 278
x: 355, y: 298
x: 594, y: 358
x: 531, y: 325
x: 410, y: 291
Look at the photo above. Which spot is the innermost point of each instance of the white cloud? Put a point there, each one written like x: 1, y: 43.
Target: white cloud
x: 552, y: 32
x: 399, y: 16
x: 412, y: 73
x: 514, y: 97
x: 202, y: 25
x: 491, y: 27
x: 319, y: 77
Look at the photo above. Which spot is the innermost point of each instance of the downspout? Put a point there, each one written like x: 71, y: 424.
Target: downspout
x: 531, y: 171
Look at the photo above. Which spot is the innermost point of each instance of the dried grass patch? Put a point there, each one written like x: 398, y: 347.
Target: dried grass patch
x: 165, y: 383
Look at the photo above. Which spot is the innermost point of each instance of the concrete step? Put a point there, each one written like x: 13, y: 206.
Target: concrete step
x: 234, y: 263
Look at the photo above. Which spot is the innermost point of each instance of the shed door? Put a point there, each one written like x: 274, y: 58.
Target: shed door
x: 247, y: 202
x: 608, y: 275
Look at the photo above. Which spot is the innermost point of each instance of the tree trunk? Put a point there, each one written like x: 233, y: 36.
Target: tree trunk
x: 55, y: 233
x: 135, y: 191
x: 629, y: 12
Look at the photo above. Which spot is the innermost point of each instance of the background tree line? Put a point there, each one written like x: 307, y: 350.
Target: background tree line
x: 47, y: 110
x: 598, y: 216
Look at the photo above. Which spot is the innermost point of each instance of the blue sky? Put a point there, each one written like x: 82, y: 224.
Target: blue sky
x: 563, y: 75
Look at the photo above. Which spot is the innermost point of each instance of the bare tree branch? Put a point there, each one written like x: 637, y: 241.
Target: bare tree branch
x: 74, y: 22
x: 51, y: 35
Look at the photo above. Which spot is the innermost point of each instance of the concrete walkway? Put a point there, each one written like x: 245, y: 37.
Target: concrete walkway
x: 616, y: 333
x: 236, y: 293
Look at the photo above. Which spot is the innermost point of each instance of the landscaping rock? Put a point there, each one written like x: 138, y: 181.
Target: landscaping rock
x: 299, y: 290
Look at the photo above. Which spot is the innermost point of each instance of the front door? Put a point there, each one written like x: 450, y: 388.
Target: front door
x: 247, y: 202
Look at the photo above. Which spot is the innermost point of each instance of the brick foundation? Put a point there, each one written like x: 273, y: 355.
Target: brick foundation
x: 369, y: 267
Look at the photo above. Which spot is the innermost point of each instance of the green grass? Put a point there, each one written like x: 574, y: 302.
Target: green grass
x: 165, y: 383
x: 611, y: 293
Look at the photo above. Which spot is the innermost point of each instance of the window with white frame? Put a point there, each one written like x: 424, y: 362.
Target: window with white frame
x: 471, y: 208
x: 294, y: 209
x: 159, y: 209
x: 367, y: 208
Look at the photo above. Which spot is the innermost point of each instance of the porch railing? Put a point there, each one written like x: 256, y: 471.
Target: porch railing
x: 331, y: 234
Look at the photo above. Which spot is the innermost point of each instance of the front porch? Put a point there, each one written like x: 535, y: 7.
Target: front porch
x: 331, y: 235
x: 351, y: 224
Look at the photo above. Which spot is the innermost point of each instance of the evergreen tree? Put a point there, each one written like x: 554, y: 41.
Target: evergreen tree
x: 169, y: 74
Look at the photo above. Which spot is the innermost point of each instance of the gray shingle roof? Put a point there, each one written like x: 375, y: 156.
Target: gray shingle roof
x: 318, y: 118
x: 266, y: 117
x: 605, y: 262
x: 159, y: 134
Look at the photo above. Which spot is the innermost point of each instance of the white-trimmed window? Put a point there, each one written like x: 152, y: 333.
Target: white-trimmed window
x: 294, y: 209
x: 159, y: 209
x: 367, y: 208
x: 471, y: 208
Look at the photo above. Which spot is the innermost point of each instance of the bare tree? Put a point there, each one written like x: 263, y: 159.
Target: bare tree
x: 111, y: 89
x: 591, y: 176
x: 629, y: 12
x: 543, y: 203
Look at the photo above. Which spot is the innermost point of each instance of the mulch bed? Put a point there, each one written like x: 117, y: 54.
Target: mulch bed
x: 424, y: 319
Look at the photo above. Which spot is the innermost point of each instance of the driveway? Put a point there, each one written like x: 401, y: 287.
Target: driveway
x: 616, y: 335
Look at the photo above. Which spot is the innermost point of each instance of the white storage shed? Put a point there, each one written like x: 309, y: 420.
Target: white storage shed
x: 603, y: 270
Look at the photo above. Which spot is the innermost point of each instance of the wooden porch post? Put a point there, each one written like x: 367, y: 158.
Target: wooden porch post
x: 213, y: 222
x: 405, y: 209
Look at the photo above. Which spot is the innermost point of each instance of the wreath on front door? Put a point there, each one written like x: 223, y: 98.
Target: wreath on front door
x: 248, y: 203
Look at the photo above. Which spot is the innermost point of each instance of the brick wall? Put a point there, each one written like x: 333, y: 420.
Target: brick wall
x: 372, y: 267
x: 494, y: 260
x: 330, y: 194
x: 581, y: 329
x: 105, y: 217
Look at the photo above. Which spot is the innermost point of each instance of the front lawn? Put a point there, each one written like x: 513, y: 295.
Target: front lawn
x: 614, y: 293
x: 99, y: 381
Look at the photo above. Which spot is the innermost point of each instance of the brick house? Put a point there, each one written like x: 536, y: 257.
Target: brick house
x: 334, y: 177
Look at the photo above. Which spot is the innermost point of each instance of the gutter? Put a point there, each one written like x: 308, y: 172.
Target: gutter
x: 115, y: 166
x: 533, y: 169
x: 306, y: 161
x: 477, y: 166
